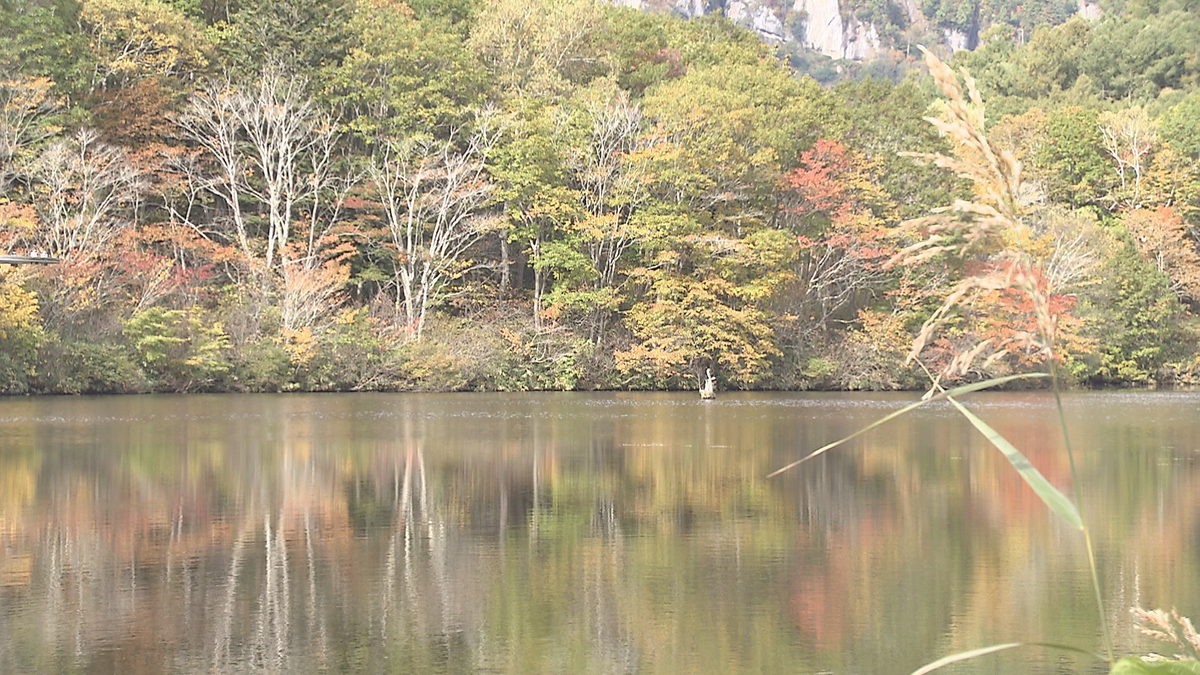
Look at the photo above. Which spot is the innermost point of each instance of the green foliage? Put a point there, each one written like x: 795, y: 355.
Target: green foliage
x: 819, y: 369
x: 1072, y: 160
x: 740, y: 120
x: 1139, y: 57
x: 643, y: 51
x: 1179, y: 156
x: 85, y: 367
x: 715, y: 40
x: 262, y: 366
x: 405, y: 75
x: 1180, y: 126
x: 453, y: 12
x: 302, y: 36
x: 886, y: 120
x: 977, y: 15
x: 42, y: 39
x: 177, y: 351
x: 1123, y: 56
x: 541, y: 48
x: 1136, y: 321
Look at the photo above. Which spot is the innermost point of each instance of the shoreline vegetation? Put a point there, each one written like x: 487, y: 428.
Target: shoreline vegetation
x: 519, y: 195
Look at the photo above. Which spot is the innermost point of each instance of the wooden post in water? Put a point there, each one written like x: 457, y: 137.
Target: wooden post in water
x: 708, y: 390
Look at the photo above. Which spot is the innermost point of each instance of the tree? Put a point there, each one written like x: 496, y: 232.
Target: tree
x: 1164, y: 241
x: 1073, y: 160
x: 432, y: 196
x: 1135, y: 56
x: 884, y: 121
x: 138, y: 38
x: 302, y: 37
x: 609, y: 179
x: 724, y: 135
x: 539, y: 48
x: 1136, y: 318
x: 42, y: 39
x: 405, y: 75
x: 1129, y: 138
x: 178, y: 350
x: 82, y: 185
x: 1176, y: 165
x: 21, y: 334
x: 838, y: 216
x: 700, y: 308
x: 27, y: 105
x: 529, y: 167
x: 273, y: 148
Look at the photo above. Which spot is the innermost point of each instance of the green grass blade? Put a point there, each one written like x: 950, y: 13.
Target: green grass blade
x: 1131, y: 665
x: 964, y: 656
x: 1049, y: 494
x: 957, y: 391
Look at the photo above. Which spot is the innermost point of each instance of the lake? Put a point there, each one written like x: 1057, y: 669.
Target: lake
x: 580, y: 533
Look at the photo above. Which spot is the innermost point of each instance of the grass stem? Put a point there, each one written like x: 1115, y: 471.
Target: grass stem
x: 1087, y: 535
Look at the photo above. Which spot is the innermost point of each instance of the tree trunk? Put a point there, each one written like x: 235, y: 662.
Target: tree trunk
x: 505, y: 264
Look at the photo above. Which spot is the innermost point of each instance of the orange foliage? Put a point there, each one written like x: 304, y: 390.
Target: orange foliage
x: 1164, y: 239
x: 1015, y: 317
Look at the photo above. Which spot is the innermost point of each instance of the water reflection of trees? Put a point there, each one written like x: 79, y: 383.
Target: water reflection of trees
x: 544, y: 543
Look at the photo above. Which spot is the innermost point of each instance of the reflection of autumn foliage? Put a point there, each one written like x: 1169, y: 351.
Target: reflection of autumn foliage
x: 819, y: 598
x: 636, y: 534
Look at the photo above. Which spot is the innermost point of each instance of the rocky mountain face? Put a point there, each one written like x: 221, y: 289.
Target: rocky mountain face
x: 828, y: 27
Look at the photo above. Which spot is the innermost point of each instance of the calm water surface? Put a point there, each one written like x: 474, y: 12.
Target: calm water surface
x: 577, y: 533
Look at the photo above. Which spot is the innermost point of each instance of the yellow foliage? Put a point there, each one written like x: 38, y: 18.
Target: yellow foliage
x: 140, y: 37
x: 300, y: 344
x: 18, y: 309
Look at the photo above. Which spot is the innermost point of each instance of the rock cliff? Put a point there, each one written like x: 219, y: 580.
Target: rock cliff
x: 825, y: 26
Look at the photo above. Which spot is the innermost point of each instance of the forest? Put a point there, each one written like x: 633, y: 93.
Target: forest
x: 512, y: 195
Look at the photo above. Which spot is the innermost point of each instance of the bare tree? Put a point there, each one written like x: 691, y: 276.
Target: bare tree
x: 1129, y: 138
x: 83, y: 183
x: 272, y: 145
x: 432, y: 195
x: 611, y: 184
x: 611, y: 188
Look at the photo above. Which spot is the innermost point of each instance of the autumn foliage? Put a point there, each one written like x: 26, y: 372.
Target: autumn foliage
x: 525, y: 194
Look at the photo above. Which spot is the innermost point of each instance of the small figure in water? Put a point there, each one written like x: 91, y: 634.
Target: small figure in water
x: 709, y: 388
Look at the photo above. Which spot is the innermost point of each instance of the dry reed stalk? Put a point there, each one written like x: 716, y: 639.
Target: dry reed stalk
x: 1173, y: 628
x: 989, y: 226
